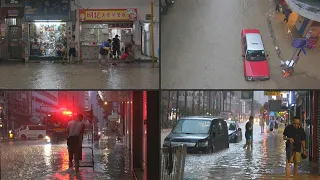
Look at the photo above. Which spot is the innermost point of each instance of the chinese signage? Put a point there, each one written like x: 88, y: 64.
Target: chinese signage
x: 47, y: 10
x: 246, y: 94
x: 272, y: 93
x: 12, y: 12
x: 275, y: 105
x: 12, y: 1
x: 108, y: 14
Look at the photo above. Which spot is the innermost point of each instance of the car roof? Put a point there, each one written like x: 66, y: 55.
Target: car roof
x: 203, y: 118
x: 254, y: 41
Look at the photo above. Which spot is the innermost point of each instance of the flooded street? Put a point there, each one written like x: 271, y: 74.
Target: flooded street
x: 36, y: 159
x: 204, y: 46
x: 78, y: 76
x: 265, y: 161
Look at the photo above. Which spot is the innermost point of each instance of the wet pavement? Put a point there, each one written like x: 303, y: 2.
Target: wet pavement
x: 78, y: 76
x: 35, y: 159
x: 265, y: 161
x: 204, y: 46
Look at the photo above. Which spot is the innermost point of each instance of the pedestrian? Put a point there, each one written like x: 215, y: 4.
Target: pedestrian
x: 262, y: 125
x: 278, y: 7
x: 75, y: 131
x: 271, y: 125
x: 116, y: 47
x: 295, y: 137
x: 72, y: 49
x: 276, y: 125
x: 248, y: 133
x: 104, y: 51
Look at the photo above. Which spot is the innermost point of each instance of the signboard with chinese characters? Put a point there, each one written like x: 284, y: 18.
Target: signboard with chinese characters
x: 246, y: 94
x: 275, y: 105
x: 47, y: 10
x: 108, y: 14
x: 12, y: 12
x: 272, y: 93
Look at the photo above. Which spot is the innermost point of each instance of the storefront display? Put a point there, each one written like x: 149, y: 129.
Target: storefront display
x: 47, y: 39
x: 100, y: 25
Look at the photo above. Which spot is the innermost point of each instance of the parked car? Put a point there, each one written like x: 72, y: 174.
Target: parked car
x: 32, y: 132
x: 234, y: 132
x: 202, y: 134
x: 255, y: 63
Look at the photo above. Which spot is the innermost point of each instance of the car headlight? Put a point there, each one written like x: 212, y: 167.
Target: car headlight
x: 203, y: 143
x: 166, y: 142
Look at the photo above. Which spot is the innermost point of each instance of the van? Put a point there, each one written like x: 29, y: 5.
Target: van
x: 32, y: 132
x: 200, y: 133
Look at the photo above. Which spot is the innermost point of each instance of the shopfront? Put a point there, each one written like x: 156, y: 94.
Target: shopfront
x: 98, y: 25
x: 45, y: 31
x: 11, y: 34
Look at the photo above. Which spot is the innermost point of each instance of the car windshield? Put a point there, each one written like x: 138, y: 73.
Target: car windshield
x: 231, y: 126
x: 255, y: 55
x: 194, y: 126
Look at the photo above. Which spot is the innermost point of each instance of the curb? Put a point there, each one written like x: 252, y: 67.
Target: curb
x: 94, y: 61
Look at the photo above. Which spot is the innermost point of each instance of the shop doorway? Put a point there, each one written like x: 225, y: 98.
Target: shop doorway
x: 47, y: 40
x: 15, y: 46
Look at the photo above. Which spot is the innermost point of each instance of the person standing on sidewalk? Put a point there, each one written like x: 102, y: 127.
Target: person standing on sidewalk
x: 72, y: 49
x: 296, y: 138
x: 116, y: 47
x: 248, y: 133
x: 75, y: 132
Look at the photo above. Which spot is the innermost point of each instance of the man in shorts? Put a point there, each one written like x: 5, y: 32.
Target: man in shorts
x: 296, y: 138
x: 104, y: 51
x: 248, y: 133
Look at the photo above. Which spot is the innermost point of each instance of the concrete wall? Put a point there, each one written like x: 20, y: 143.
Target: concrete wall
x: 143, y: 7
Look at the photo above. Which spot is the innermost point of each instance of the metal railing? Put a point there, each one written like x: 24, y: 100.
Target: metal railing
x: 172, y: 162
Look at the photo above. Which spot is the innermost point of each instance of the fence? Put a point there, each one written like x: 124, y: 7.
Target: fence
x: 172, y: 162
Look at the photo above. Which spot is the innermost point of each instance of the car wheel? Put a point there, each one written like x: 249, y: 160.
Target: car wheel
x: 40, y: 136
x: 24, y: 137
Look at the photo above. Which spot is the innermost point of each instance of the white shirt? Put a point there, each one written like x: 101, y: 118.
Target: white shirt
x: 75, y: 127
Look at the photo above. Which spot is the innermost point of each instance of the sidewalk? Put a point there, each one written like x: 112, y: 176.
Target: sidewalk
x: 285, y: 34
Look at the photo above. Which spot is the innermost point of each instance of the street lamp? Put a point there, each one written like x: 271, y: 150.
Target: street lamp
x: 105, y: 103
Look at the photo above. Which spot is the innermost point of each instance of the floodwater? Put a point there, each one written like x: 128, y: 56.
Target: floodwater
x: 35, y: 159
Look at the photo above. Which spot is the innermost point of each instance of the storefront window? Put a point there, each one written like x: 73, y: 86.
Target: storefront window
x: 94, y: 34
x: 47, y: 39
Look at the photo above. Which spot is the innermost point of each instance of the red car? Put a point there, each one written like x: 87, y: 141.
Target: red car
x: 255, y: 61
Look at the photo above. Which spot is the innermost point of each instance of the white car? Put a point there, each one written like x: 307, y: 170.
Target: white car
x: 32, y: 132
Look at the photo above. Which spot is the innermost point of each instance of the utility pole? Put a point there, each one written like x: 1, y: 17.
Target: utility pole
x: 252, y: 103
x: 199, y: 101
x: 152, y: 32
x: 177, y: 105
x: 185, y: 102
